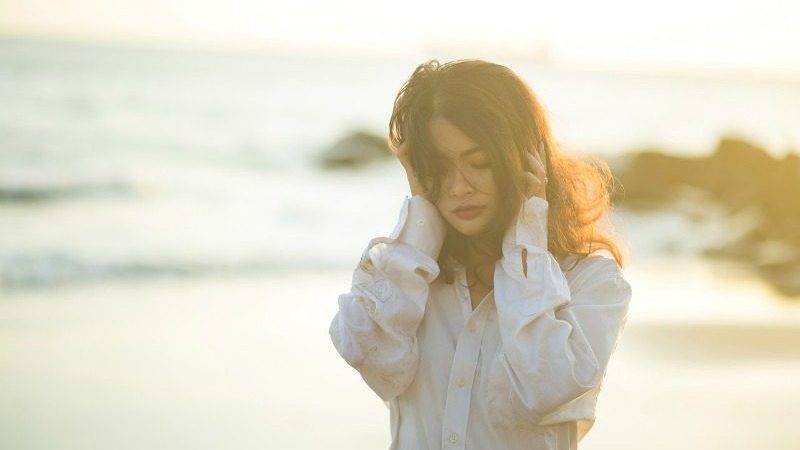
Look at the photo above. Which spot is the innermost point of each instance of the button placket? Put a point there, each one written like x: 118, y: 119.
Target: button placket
x: 465, y: 362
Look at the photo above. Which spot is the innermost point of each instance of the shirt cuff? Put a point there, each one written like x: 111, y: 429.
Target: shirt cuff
x: 530, y: 227
x: 421, y: 226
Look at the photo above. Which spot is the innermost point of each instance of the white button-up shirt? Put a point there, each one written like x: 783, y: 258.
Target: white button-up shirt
x: 521, y: 371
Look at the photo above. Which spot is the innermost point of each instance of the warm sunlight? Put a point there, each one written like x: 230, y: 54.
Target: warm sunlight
x: 243, y: 224
x: 754, y: 38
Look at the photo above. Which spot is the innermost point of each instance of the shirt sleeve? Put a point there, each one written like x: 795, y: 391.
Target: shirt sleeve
x: 375, y: 327
x: 555, y: 343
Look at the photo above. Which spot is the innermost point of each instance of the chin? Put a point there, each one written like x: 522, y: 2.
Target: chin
x: 468, y: 230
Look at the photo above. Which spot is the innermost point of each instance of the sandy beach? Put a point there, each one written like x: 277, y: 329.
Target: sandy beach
x: 246, y: 362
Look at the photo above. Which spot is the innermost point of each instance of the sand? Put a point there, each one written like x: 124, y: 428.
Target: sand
x: 247, y: 363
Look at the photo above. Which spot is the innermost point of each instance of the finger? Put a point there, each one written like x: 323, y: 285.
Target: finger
x: 529, y: 181
x: 402, y: 153
x: 401, y: 150
x: 543, y: 155
x: 533, y: 184
x: 536, y: 165
x: 535, y: 180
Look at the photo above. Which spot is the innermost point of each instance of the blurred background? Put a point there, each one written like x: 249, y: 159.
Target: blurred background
x: 186, y: 188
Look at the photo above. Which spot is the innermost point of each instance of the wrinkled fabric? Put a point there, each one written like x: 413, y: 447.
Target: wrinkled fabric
x: 523, y: 370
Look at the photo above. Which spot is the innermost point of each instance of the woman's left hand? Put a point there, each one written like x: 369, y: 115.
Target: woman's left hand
x: 535, y: 184
x: 536, y: 173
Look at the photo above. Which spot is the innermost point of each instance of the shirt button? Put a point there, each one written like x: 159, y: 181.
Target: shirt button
x: 460, y: 382
x: 382, y: 289
x: 453, y: 437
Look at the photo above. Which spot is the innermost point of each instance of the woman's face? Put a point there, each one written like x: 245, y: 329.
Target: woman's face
x: 468, y: 179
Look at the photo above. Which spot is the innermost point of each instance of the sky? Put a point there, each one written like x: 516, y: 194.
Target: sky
x: 752, y: 37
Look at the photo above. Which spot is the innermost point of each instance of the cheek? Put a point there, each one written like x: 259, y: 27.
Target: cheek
x: 486, y: 181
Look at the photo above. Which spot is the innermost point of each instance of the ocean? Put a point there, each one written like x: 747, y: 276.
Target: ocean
x: 173, y: 162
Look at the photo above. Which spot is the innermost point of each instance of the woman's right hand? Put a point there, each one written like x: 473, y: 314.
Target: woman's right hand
x: 416, y: 187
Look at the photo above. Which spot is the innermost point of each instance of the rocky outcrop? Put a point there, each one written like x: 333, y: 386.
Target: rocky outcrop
x: 355, y: 149
x: 744, y: 178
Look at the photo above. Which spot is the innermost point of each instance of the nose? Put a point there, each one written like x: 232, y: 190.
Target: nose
x: 458, y: 184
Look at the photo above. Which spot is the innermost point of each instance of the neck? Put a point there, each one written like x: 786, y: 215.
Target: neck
x: 478, y: 258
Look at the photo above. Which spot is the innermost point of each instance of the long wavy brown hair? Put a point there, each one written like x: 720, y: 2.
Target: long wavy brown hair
x: 497, y: 109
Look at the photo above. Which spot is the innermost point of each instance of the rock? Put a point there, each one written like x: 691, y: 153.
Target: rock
x: 356, y: 149
x: 742, y: 177
x: 784, y: 278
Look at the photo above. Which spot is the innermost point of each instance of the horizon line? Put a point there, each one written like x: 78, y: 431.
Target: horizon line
x: 541, y: 55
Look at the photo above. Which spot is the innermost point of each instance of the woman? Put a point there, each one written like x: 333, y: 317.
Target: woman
x: 487, y: 318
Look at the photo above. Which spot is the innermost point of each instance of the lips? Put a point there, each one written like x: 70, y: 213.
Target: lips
x: 466, y: 208
x: 468, y: 212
